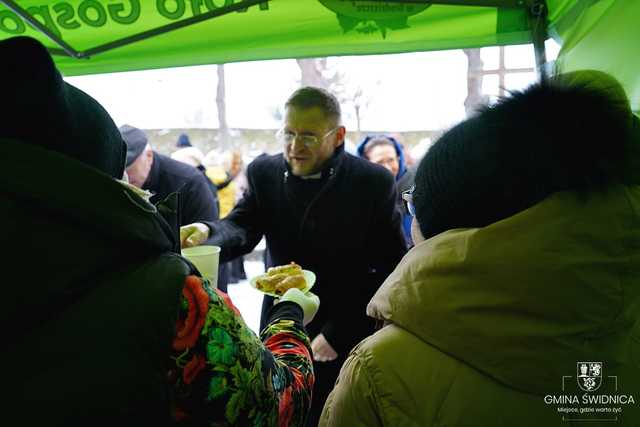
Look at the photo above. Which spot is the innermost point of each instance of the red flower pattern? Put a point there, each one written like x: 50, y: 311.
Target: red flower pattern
x: 291, y: 364
x: 193, y: 368
x: 189, y: 329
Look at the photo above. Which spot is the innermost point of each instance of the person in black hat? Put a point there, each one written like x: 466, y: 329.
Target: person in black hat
x: 162, y: 176
x: 527, y: 229
x: 105, y: 320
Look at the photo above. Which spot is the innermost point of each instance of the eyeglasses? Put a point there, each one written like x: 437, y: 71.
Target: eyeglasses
x: 407, y: 198
x: 287, y: 137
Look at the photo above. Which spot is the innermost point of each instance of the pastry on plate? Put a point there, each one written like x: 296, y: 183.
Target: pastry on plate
x: 279, y: 279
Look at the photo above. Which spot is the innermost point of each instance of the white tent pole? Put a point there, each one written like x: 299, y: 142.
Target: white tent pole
x: 538, y: 25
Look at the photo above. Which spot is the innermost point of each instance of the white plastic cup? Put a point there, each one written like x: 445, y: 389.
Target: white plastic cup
x: 207, y: 259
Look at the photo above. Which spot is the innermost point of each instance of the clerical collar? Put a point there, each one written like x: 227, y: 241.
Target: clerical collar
x: 328, y: 169
x: 314, y: 176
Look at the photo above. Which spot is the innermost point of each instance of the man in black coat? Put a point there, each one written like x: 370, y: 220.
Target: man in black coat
x: 330, y: 212
x: 162, y: 176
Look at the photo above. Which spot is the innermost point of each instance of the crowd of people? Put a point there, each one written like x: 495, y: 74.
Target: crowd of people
x: 458, y: 292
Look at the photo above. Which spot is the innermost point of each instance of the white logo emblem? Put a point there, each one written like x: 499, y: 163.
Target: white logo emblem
x: 589, y: 375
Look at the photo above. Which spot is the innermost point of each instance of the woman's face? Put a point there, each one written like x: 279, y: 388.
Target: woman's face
x: 386, y: 156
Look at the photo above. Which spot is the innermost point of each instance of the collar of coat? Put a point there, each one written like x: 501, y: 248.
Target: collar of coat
x: 329, y: 168
x: 67, y: 187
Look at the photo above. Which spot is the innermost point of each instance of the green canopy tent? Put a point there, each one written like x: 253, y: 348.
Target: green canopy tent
x: 98, y: 36
x: 603, y: 35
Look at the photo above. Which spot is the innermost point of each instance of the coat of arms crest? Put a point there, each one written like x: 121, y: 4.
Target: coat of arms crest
x: 589, y: 375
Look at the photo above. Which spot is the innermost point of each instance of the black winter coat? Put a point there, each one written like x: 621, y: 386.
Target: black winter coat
x: 91, y: 293
x: 198, y: 197
x: 344, y: 227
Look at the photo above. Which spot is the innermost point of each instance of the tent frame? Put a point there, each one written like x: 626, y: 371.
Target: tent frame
x: 536, y: 12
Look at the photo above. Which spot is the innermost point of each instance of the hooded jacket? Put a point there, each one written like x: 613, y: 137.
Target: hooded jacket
x: 91, y: 290
x: 404, y: 180
x: 486, y: 326
x: 99, y: 308
x: 104, y: 321
x: 402, y: 167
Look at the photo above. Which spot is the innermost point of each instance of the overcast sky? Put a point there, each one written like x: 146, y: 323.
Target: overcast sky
x: 415, y: 91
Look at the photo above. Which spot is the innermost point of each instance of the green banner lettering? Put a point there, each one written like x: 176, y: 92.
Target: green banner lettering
x: 65, y: 16
x: 161, y: 5
x: 11, y: 23
x: 115, y: 12
x: 211, y: 4
x: 42, y: 12
x: 99, y: 15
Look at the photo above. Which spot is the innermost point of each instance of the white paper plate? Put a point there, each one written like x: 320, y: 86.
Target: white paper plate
x: 309, y: 277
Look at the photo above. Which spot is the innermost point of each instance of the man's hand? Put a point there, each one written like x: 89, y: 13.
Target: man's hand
x: 322, y: 350
x: 193, y: 234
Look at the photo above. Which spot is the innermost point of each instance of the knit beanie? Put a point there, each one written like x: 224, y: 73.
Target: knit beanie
x: 565, y: 134
x: 183, y: 141
x: 46, y: 111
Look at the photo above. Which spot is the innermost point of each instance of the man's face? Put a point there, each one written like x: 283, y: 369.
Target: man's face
x: 385, y: 155
x: 306, y: 160
x: 138, y: 171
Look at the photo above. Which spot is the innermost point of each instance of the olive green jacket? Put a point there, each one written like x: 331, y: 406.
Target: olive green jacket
x: 485, y: 327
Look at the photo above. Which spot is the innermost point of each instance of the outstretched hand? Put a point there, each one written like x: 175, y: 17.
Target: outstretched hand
x: 322, y: 350
x: 308, y: 301
x: 193, y: 234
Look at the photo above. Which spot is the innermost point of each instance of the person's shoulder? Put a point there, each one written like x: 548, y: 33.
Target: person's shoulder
x: 176, y: 168
x: 406, y: 180
x: 364, y: 166
x: 410, y: 172
x: 379, y: 350
x: 266, y: 164
x: 371, y: 173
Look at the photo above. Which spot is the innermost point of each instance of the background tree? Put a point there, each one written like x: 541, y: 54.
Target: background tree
x: 223, y: 128
x: 354, y: 98
x: 475, y: 98
x: 313, y: 72
x: 196, y: 119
